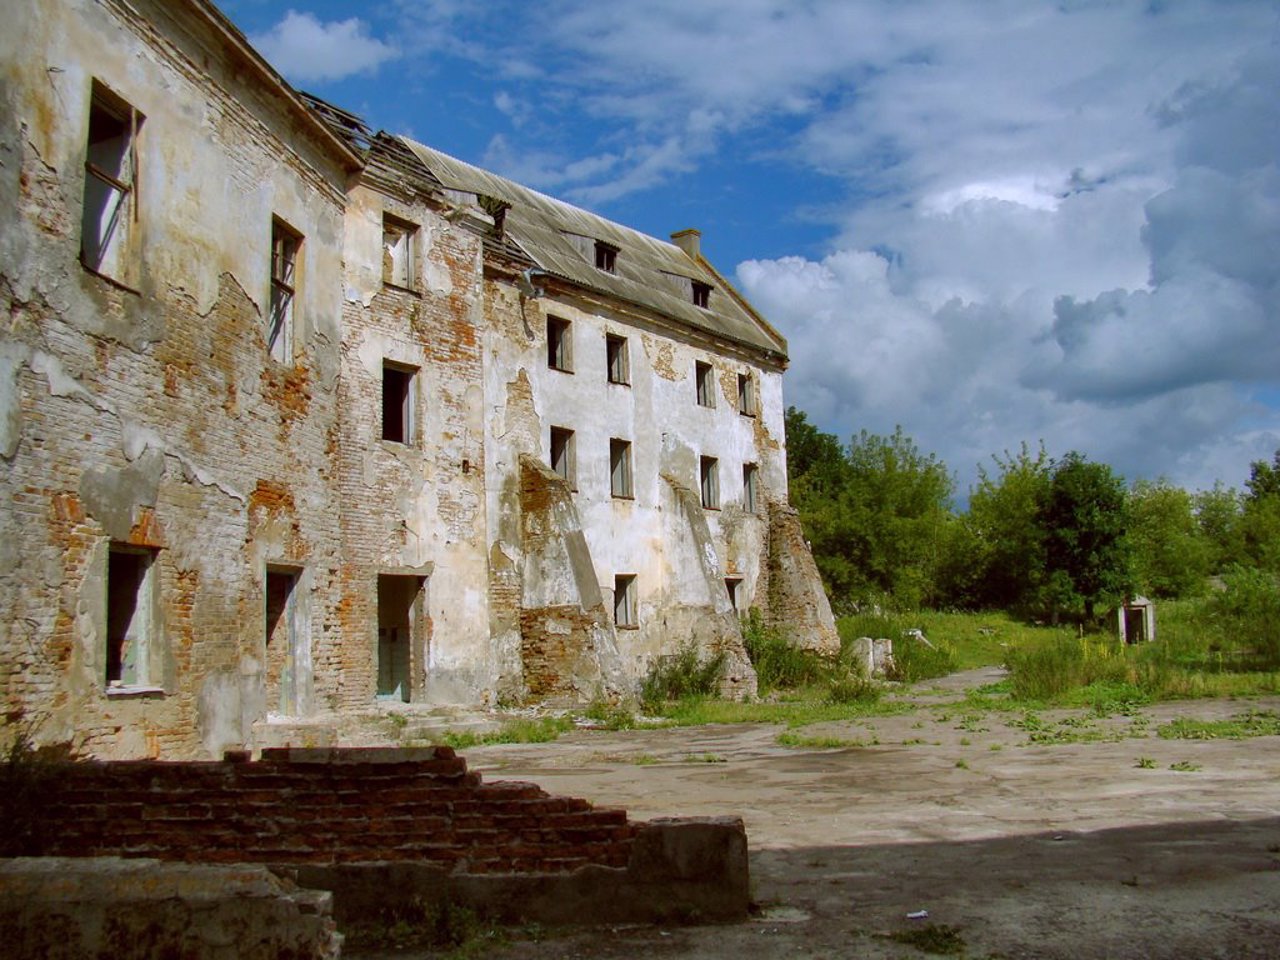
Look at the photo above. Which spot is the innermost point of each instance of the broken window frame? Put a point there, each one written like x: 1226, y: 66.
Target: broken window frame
x: 560, y: 344
x: 286, y: 246
x: 709, y: 482
x: 701, y: 294
x: 625, y: 610
x: 606, y: 257
x: 751, y: 487
x: 562, y: 455
x: 110, y: 199
x: 747, y: 395
x: 620, y: 476
x: 399, y: 403
x: 127, y: 655
x: 399, y: 270
x: 704, y: 375
x: 617, y: 359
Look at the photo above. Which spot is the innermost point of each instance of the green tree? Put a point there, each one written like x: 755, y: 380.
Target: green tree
x: 1004, y: 515
x: 1220, y: 517
x: 1171, y: 557
x: 1085, y: 523
x: 1261, y: 520
x: 896, y: 503
x: 816, y: 465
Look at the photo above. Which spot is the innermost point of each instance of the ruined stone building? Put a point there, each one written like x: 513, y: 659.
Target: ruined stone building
x: 296, y: 417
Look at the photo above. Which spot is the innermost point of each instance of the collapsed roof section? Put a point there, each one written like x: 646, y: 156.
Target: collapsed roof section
x: 532, y: 230
x: 598, y: 255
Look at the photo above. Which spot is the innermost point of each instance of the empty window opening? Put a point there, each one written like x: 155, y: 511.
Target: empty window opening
x: 397, y: 629
x: 746, y: 395
x: 704, y: 375
x: 562, y: 454
x: 559, y: 344
x: 734, y: 587
x: 398, y: 242
x: 398, y: 395
x: 619, y: 362
x: 283, y: 638
x: 129, y: 607
x: 701, y: 294
x: 624, y: 601
x: 620, y: 469
x: 709, y: 477
x: 110, y: 200
x: 284, y: 263
x: 606, y: 257
x: 750, y: 487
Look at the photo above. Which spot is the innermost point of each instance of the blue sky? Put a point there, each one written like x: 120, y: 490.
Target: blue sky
x: 991, y: 222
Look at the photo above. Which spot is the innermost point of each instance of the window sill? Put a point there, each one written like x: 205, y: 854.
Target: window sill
x: 624, y: 497
x: 551, y: 366
x: 118, y: 284
x: 620, y: 383
x: 709, y: 507
x: 120, y: 691
x: 412, y: 291
x: 626, y: 626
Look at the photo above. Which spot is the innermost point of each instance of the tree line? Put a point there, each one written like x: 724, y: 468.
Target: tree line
x: 1054, y: 538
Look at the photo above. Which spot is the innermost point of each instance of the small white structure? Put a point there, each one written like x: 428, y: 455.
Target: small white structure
x: 1136, y: 620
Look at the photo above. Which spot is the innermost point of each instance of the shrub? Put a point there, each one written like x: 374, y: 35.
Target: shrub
x: 682, y: 674
x: 777, y: 663
x: 913, y: 660
x: 27, y: 775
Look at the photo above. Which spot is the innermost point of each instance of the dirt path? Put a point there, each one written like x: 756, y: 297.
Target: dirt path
x: 1060, y: 834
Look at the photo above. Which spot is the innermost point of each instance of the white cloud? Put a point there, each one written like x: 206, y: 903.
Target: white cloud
x: 307, y: 50
x: 1061, y: 219
x: 1136, y: 324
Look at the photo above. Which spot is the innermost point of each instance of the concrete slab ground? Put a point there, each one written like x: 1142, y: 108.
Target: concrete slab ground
x: 1053, y: 835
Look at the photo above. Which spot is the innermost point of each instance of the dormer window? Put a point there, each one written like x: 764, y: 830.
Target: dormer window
x: 701, y: 294
x: 606, y: 257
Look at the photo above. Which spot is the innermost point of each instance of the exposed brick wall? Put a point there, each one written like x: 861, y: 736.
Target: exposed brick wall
x: 329, y: 806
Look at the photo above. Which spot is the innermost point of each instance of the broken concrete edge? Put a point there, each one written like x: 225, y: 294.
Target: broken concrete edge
x: 681, y: 870
x: 138, y: 908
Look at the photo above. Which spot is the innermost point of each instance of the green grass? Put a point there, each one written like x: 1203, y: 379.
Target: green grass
x: 541, y: 730
x: 1255, y: 723
x: 805, y: 708
x: 936, y: 938
x: 789, y: 738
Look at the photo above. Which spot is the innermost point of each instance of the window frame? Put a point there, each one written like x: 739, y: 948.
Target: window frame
x: 617, y: 355
x: 625, y: 608
x: 621, y: 477
x: 408, y: 231
x: 286, y: 256
x: 701, y: 294
x: 709, y: 482
x: 704, y: 376
x: 733, y: 586
x: 111, y: 255
x: 747, y: 405
x: 560, y: 344
x: 127, y: 665
x: 751, y: 487
x: 562, y: 455
x: 407, y: 402
x: 606, y: 258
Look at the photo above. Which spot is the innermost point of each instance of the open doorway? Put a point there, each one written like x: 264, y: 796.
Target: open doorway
x: 397, y: 629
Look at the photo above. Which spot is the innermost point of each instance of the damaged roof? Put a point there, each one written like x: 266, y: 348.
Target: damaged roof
x: 656, y: 274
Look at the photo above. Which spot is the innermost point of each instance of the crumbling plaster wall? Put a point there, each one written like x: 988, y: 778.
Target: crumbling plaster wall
x: 147, y: 411
x: 417, y: 507
x: 679, y: 565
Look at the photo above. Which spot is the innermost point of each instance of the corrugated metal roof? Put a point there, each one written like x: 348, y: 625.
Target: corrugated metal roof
x: 650, y: 272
